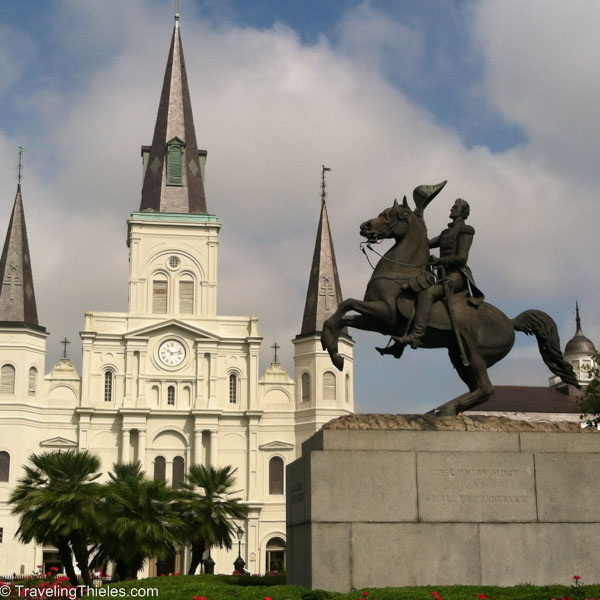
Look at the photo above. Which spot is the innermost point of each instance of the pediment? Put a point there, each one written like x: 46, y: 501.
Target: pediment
x: 276, y: 445
x: 197, y: 332
x: 58, y: 442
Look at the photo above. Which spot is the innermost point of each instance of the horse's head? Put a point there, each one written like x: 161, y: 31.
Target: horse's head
x: 396, y: 221
x: 393, y: 222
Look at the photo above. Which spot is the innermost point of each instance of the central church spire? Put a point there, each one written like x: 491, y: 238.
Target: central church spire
x: 173, y: 166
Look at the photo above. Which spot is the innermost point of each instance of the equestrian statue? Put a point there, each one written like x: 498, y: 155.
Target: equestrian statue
x: 433, y: 302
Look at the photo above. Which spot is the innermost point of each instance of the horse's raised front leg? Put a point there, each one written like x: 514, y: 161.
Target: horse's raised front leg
x: 376, y: 313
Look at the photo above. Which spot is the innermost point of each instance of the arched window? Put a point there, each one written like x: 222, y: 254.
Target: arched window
x: 275, y: 555
x: 171, y: 395
x: 32, y: 382
x: 4, y: 466
x: 328, y: 386
x: 232, y: 388
x: 108, y: 386
x: 276, y: 476
x: 160, y: 468
x: 186, y: 295
x: 160, y: 288
x: 178, y: 471
x: 305, y: 387
x: 175, y: 162
x: 7, y: 379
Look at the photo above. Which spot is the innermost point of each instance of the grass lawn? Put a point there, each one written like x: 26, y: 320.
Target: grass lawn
x: 218, y: 587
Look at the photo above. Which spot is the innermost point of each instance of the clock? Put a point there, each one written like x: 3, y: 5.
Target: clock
x: 171, y: 353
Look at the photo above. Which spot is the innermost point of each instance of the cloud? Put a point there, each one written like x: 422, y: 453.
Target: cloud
x: 271, y: 110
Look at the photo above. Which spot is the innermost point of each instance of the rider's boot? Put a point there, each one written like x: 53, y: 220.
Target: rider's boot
x: 422, y: 315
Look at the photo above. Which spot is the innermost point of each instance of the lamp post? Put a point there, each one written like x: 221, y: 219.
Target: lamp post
x: 239, y: 563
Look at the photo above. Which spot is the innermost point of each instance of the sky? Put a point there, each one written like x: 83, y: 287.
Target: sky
x: 499, y: 97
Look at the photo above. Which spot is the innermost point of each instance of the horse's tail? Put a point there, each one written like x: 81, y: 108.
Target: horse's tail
x: 538, y: 323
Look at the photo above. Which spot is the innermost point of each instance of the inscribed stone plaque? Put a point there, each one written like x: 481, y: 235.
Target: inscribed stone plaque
x: 363, y: 486
x: 478, y: 487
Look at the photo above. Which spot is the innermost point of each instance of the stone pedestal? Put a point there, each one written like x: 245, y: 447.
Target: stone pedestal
x: 418, y: 500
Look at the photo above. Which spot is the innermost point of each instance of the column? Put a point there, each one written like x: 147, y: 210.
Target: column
x: 169, y: 471
x: 141, y: 381
x: 213, y: 447
x: 142, y: 448
x: 197, y: 457
x: 128, y: 379
x: 125, y: 446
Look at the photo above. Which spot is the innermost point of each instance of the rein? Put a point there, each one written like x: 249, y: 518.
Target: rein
x: 368, y: 245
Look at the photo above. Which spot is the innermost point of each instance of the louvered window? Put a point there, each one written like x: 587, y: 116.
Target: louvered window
x: 186, y: 297
x: 276, y: 476
x: 32, y: 382
x: 178, y: 471
x: 171, y: 395
x: 232, y: 389
x: 328, y: 386
x: 4, y: 466
x: 108, y: 386
x: 7, y: 379
x: 175, y: 163
x: 305, y: 387
x: 160, y: 468
x: 159, y: 296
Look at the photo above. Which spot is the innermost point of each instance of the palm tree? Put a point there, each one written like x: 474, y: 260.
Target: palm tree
x: 58, y: 500
x: 208, y: 510
x: 143, y: 520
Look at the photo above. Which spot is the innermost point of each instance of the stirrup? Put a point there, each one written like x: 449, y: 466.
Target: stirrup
x: 414, y: 339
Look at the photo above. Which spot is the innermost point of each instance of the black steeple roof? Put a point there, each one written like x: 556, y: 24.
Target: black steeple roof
x: 174, y: 123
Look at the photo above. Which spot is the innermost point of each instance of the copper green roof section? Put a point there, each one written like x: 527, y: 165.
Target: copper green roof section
x: 173, y: 180
x: 324, y: 291
x: 174, y: 217
x: 17, y: 297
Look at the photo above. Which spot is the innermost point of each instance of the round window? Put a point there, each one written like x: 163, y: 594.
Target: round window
x: 173, y: 262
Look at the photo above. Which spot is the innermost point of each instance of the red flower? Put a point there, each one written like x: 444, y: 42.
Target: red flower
x: 436, y: 596
x: 176, y: 573
x: 199, y: 598
x: 576, y: 577
x: 482, y: 596
x: 268, y: 598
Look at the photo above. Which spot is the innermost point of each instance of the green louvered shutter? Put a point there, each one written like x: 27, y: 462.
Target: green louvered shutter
x: 174, y: 165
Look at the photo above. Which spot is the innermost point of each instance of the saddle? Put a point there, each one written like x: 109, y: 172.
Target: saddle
x: 462, y: 305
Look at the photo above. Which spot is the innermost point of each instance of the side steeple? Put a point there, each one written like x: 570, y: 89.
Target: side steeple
x: 324, y: 291
x: 17, y: 296
x: 173, y: 166
x: 322, y: 392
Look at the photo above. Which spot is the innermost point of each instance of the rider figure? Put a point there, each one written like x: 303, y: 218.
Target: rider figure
x: 454, y: 244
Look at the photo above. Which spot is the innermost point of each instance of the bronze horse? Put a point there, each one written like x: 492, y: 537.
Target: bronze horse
x: 487, y: 334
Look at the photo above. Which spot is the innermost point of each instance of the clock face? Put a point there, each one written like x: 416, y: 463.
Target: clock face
x: 171, y: 353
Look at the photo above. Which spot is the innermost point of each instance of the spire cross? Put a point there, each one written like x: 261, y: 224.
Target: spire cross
x: 326, y: 290
x: 20, y: 164
x: 12, y: 279
x: 64, y: 343
x: 324, y: 169
x: 176, y: 10
x: 275, y: 347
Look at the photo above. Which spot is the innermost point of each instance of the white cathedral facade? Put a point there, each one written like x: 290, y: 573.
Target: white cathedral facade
x: 170, y: 382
